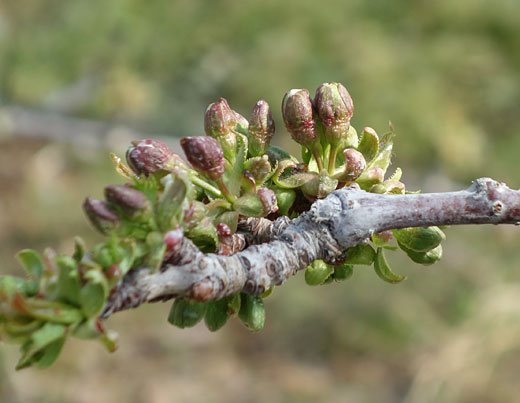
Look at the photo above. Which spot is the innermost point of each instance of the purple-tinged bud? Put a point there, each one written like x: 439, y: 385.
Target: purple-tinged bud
x: 355, y: 164
x: 150, y: 156
x: 335, y: 108
x: 223, y: 230
x: 220, y: 122
x: 173, y: 240
x: 268, y: 199
x: 205, y: 155
x: 261, y: 128
x: 370, y: 178
x: 133, y: 202
x: 104, y: 219
x: 298, y: 117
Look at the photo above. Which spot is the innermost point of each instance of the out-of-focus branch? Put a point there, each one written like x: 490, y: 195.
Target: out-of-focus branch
x: 21, y: 122
x: 346, y: 218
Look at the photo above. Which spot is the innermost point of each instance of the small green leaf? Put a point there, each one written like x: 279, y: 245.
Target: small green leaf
x: 320, y: 185
x: 233, y: 176
x: 284, y: 199
x: 69, y: 282
x: 93, y: 294
x: 230, y: 218
x: 360, y: 254
x: 234, y: 304
x: 343, y: 272
x: 277, y: 154
x: 318, y: 272
x: 216, y: 314
x: 252, y: 312
x: 369, y: 144
x: 32, y: 263
x: 40, y: 339
x: 50, y: 311
x: 383, y: 270
x: 425, y: 258
x: 419, y: 239
x: 50, y: 354
x: 249, y: 205
x: 186, y: 312
x: 204, y: 235
x: 169, y: 204
x: 382, y: 159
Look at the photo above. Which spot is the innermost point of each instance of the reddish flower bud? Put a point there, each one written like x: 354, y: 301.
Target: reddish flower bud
x: 268, y: 199
x: 131, y: 201
x: 261, y: 128
x: 354, y: 165
x: 298, y: 118
x: 205, y: 154
x: 100, y: 215
x: 335, y: 108
x: 220, y: 122
x: 223, y: 230
x: 150, y: 156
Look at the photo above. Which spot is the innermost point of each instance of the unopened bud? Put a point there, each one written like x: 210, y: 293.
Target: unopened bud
x: 150, y: 156
x: 223, y: 230
x: 298, y: 117
x: 335, y: 108
x: 268, y: 199
x: 173, y: 241
x: 370, y: 178
x: 131, y: 201
x: 261, y: 128
x: 220, y: 122
x: 354, y: 165
x: 205, y: 154
x: 100, y: 215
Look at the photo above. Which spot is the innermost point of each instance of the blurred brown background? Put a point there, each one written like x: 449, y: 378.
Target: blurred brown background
x: 80, y: 78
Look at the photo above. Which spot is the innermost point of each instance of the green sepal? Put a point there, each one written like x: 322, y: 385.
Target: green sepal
x: 44, y: 346
x: 186, y: 312
x: 234, y: 304
x: 350, y: 139
x: 252, y: 312
x: 80, y: 249
x: 69, y: 281
x: 419, y: 239
x: 230, y: 218
x: 425, y: 258
x: 384, y: 155
x: 216, y: 314
x: 284, y: 199
x: 360, y: 254
x: 31, y: 262
x: 318, y: 272
x: 383, y: 270
x: 368, y: 145
x: 233, y: 176
x: 249, y: 205
x: 94, y: 293
x: 343, y: 272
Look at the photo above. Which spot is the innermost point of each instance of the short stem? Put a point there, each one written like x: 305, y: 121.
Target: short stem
x: 225, y: 191
x: 206, y: 186
x: 318, y: 159
x: 332, y: 159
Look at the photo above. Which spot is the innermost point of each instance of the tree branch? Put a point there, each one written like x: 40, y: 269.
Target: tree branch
x: 279, y: 249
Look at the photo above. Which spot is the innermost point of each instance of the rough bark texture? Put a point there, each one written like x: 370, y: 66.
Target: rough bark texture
x: 278, y: 250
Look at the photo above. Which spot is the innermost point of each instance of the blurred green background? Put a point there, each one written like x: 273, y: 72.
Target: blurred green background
x: 446, y: 73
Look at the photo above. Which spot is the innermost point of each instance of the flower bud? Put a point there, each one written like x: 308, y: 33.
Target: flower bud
x: 268, y: 199
x: 242, y: 125
x: 150, y: 156
x: 220, y: 122
x: 354, y: 165
x: 335, y: 108
x: 205, y: 154
x: 100, y: 215
x: 370, y: 178
x: 131, y: 201
x: 223, y: 230
x: 261, y: 128
x: 298, y: 118
x: 173, y: 240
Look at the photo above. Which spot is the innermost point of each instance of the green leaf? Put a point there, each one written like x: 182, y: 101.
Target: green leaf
x: 360, y: 254
x: 425, y: 258
x: 233, y: 176
x: 93, y: 294
x: 31, y: 262
x: 230, y: 218
x: 343, y: 272
x: 383, y: 270
x: 249, y: 205
x: 216, y: 314
x: 50, y: 354
x: 419, y: 239
x: 295, y: 180
x: 69, y: 282
x: 169, y: 204
x: 50, y: 311
x: 234, y: 305
x: 40, y: 339
x: 382, y: 159
x: 186, y: 312
x: 252, y: 312
x: 277, y: 154
x: 318, y: 272
x: 284, y: 199
x: 369, y: 145
x: 204, y: 235
x: 320, y: 185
